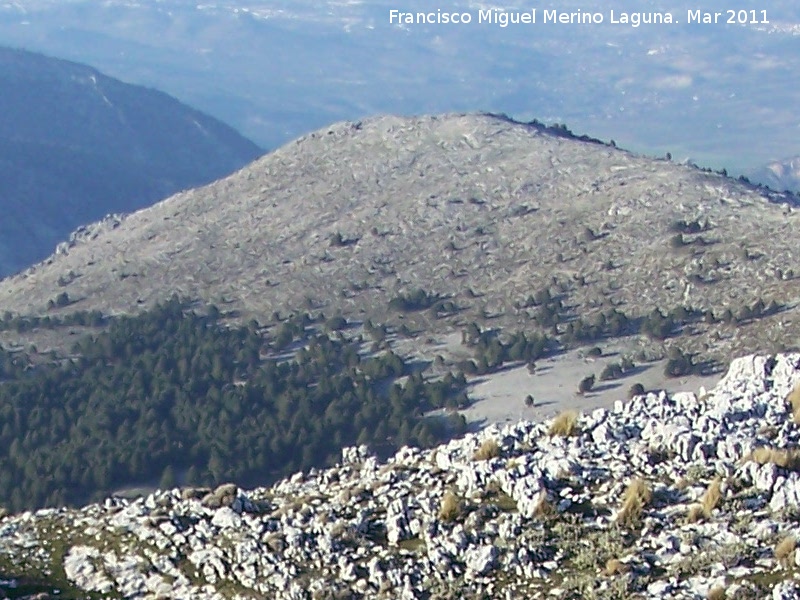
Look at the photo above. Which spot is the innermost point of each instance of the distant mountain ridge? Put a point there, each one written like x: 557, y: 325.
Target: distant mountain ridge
x: 76, y: 145
x: 780, y: 174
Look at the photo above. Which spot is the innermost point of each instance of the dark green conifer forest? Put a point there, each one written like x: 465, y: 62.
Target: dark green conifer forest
x: 175, y: 396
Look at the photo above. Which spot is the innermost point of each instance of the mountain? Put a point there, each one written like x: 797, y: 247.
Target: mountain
x: 390, y: 217
x: 678, y: 496
x: 76, y: 145
x: 780, y: 174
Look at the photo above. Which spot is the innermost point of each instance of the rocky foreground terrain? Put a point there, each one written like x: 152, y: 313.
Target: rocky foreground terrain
x: 681, y: 496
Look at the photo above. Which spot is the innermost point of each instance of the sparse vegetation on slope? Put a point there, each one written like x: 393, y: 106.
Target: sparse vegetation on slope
x: 785, y: 550
x: 636, y: 498
x: 514, y: 244
x: 787, y: 458
x: 488, y: 449
x: 794, y: 402
x: 712, y: 496
x: 451, y: 507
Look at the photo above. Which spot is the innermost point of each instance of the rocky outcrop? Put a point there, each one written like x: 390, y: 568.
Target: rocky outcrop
x: 548, y: 516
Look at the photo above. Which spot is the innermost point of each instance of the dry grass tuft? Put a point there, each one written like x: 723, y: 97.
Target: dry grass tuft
x: 785, y: 550
x: 716, y: 593
x: 614, y: 566
x: 788, y: 458
x: 275, y: 542
x: 637, y: 496
x: 544, y: 509
x: 794, y: 401
x: 565, y: 424
x: 451, y: 508
x: 711, y: 498
x: 489, y: 449
x: 695, y: 514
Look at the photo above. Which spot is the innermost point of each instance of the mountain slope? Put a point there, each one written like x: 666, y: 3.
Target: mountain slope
x: 664, y: 496
x: 474, y: 208
x: 76, y: 145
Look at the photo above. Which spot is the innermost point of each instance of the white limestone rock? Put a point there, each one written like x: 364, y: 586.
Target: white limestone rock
x: 481, y: 560
x: 786, y: 590
x: 226, y: 518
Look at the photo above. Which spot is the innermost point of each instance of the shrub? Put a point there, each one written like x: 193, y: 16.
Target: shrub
x: 275, y: 542
x: 695, y: 514
x: 444, y: 308
x: 60, y: 301
x: 565, y: 424
x: 794, y: 401
x: 677, y: 241
x: 451, y: 508
x: 544, y: 508
x: 611, y: 371
x: 488, y: 450
x: 716, y: 593
x: 614, y: 566
x: 336, y: 323
x: 637, y: 496
x: 657, y: 325
x: 679, y: 364
x: 637, y: 389
x: 414, y: 300
x: 688, y: 227
x: 586, y: 384
x: 785, y: 550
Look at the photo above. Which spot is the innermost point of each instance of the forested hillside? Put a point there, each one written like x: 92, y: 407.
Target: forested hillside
x: 173, y: 396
